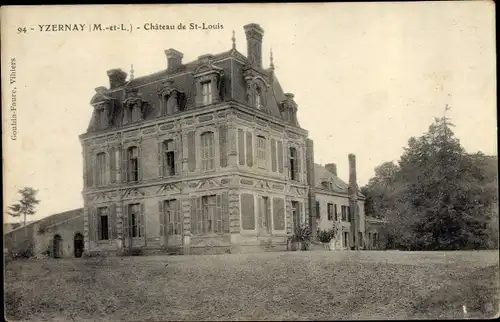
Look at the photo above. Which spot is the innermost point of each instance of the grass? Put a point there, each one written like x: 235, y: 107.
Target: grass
x: 315, y: 285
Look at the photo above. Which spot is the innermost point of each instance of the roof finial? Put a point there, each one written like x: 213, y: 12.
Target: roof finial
x: 271, y: 60
x: 131, y: 71
x: 233, y: 39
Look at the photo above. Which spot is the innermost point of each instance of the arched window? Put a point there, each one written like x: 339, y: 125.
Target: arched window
x: 133, y: 163
x: 101, y: 169
x: 207, y: 151
x: 258, y: 98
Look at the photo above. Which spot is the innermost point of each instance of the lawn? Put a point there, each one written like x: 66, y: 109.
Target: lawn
x: 314, y: 285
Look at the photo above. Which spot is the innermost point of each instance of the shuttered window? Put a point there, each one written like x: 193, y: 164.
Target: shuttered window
x: 133, y: 164
x: 173, y: 217
x: 112, y: 165
x: 101, y: 169
x: 207, y: 151
x: 210, y: 214
x: 247, y: 211
x: 135, y: 220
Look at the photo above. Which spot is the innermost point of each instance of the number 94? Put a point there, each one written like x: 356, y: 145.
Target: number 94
x: 21, y: 29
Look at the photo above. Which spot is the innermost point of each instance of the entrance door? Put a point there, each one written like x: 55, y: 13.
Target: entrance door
x: 296, y: 214
x: 264, y: 216
x: 78, y: 245
x: 57, y: 244
x: 173, y: 222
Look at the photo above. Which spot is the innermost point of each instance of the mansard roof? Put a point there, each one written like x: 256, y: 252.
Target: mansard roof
x: 321, y: 174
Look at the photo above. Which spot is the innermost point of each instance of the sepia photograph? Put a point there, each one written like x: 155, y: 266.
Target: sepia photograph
x: 218, y: 162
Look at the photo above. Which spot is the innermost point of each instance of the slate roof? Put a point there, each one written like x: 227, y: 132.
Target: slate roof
x: 321, y: 174
x: 233, y: 86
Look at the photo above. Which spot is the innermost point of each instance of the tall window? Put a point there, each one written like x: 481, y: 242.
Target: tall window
x: 335, y: 211
x: 101, y: 169
x: 261, y: 152
x: 133, y: 164
x: 293, y: 164
x: 173, y: 217
x: 103, y: 223
x: 212, y: 219
x: 169, y: 158
x: 207, y: 151
x: 330, y: 211
x: 134, y: 213
x: 344, y: 211
x: 206, y: 89
x: 318, y: 210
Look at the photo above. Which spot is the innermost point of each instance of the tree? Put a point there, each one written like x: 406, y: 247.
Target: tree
x: 438, y: 197
x: 26, y: 206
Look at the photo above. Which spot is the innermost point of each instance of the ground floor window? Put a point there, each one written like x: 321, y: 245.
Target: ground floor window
x: 103, y: 222
x: 346, y: 239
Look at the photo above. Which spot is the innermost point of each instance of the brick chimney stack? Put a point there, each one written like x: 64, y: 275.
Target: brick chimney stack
x: 311, y: 181
x: 117, y: 78
x: 254, y: 34
x: 353, y: 201
x: 174, y: 59
x: 331, y: 167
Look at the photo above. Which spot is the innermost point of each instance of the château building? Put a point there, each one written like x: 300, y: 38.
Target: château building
x: 204, y: 153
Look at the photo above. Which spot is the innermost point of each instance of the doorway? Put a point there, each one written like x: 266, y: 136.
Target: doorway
x: 57, y: 244
x: 78, y: 245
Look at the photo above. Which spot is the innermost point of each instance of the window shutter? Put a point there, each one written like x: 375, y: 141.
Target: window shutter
x: 250, y: 149
x: 273, y: 155
x: 125, y: 222
x: 248, y: 211
x: 268, y: 214
x: 218, y: 215
x: 161, y: 215
x: 191, y: 145
x: 160, y: 160
x: 279, y: 214
x: 203, y: 214
x: 200, y: 224
x: 139, y: 161
x: 96, y: 171
x: 223, y: 145
x: 112, y: 222
x: 280, y: 157
x: 112, y: 165
x: 298, y: 163
x: 225, y: 212
x: 124, y: 170
x: 177, y: 156
x: 194, y: 219
x: 91, y: 225
x: 141, y: 222
x: 90, y: 170
x: 178, y: 218
x: 335, y: 211
x: 241, y: 147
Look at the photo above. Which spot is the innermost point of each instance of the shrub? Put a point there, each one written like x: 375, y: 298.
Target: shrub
x: 24, y: 251
x: 303, y: 235
x: 325, y: 236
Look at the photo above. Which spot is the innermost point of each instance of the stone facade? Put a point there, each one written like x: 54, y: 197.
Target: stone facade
x: 203, y: 154
x: 333, y: 208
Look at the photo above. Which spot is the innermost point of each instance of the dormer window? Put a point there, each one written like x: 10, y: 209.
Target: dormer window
x: 258, y: 99
x: 206, y: 90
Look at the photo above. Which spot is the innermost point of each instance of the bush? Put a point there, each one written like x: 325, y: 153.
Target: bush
x: 131, y: 252
x: 24, y: 251
x: 325, y: 236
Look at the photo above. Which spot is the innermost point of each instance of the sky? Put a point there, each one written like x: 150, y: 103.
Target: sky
x: 366, y: 77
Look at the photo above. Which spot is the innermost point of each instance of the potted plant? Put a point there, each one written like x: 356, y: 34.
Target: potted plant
x: 325, y: 237
x: 301, y: 239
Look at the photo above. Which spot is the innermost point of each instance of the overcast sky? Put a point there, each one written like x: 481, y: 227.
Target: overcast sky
x: 366, y: 77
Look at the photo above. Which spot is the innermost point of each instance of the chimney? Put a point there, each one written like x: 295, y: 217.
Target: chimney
x: 116, y: 77
x: 331, y: 167
x: 174, y: 59
x: 353, y: 201
x: 254, y: 34
x: 311, y: 180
